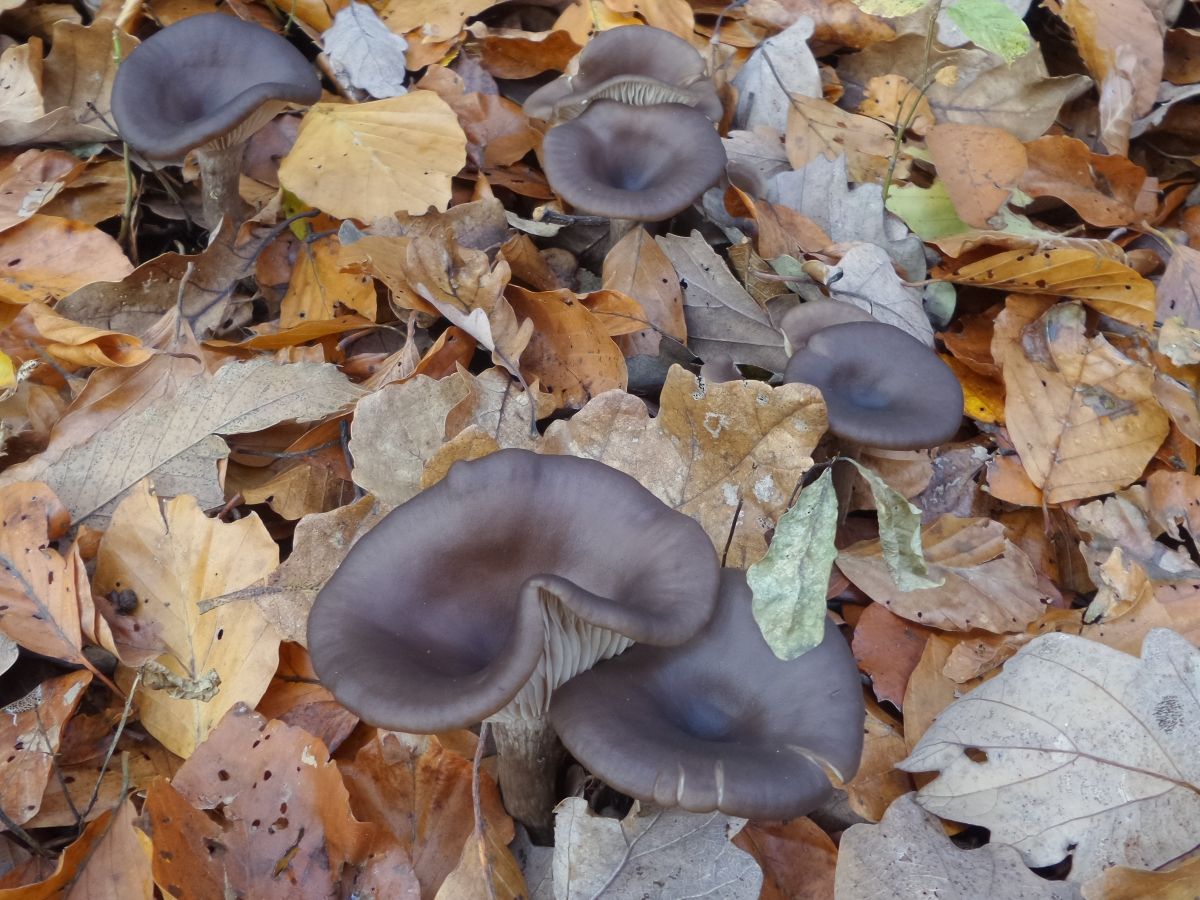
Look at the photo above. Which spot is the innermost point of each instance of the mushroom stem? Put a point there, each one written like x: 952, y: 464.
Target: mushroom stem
x: 528, y: 756
x: 220, y: 170
x: 618, y: 228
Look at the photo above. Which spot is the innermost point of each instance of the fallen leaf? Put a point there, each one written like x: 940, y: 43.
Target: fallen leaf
x: 817, y: 128
x: 45, y: 257
x: 172, y: 557
x: 637, y: 266
x: 1081, y: 414
x: 797, y: 858
x: 1104, y: 190
x: 364, y: 54
x: 979, y: 165
x: 368, y: 160
x: 1041, y: 771
x: 1178, y: 294
x: 1102, y: 27
x: 878, y: 782
x: 75, y: 345
x: 436, y: 20
x: 31, y: 181
x: 909, y: 855
x: 174, y: 438
x: 870, y: 282
x: 779, y: 70
x: 318, y: 286
x: 678, y: 852
x: 1121, y: 883
x: 888, y: 648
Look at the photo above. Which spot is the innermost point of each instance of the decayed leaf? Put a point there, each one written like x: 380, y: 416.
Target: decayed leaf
x: 899, y: 533
x: 368, y: 160
x: 789, y: 583
x: 422, y: 796
x: 908, y: 855
x: 1179, y: 287
x: 721, y: 316
x: 364, y: 54
x: 31, y: 181
x: 870, y: 282
x: 1102, y: 767
x: 1081, y: 414
x: 47, y: 257
x: 172, y: 557
x: 780, y: 69
x: 1104, y: 284
x: 31, y: 732
x: 680, y: 853
x: 38, y: 585
x: 288, y: 832
x: 174, y: 438
x: 989, y: 582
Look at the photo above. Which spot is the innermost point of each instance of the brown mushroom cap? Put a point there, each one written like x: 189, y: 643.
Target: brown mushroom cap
x: 882, y: 387
x: 636, y: 64
x: 719, y: 722
x: 804, y: 320
x: 209, y: 80
x: 644, y: 163
x: 510, y: 575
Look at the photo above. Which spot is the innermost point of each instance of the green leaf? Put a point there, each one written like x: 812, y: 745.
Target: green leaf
x: 899, y: 534
x: 993, y: 26
x: 929, y: 212
x: 790, y: 582
x: 890, y: 9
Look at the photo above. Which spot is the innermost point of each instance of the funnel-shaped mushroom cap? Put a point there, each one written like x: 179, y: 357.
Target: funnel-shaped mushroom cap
x: 645, y: 163
x: 803, y: 321
x: 512, y: 574
x: 635, y: 64
x: 882, y: 386
x: 719, y: 722
x: 207, y: 81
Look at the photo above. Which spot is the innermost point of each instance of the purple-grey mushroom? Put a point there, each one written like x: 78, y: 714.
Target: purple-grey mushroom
x: 637, y: 65
x: 207, y: 83
x: 804, y: 320
x: 883, y: 387
x: 479, y: 597
x: 720, y: 722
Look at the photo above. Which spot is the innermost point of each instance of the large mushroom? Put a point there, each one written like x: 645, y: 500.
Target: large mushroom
x: 719, y: 723
x: 479, y: 597
x: 207, y: 84
x: 635, y: 64
x: 633, y: 163
x: 883, y: 387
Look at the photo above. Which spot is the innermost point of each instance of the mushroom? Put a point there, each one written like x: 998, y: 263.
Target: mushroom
x: 883, y: 387
x: 635, y: 64
x: 633, y: 163
x: 207, y: 84
x: 804, y: 320
x: 477, y: 598
x: 719, y: 723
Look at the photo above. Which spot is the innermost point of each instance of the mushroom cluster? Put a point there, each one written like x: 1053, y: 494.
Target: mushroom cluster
x: 635, y: 139
x: 489, y: 595
x: 883, y: 387
x: 208, y: 83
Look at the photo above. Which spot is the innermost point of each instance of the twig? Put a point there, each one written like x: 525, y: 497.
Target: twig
x: 112, y: 747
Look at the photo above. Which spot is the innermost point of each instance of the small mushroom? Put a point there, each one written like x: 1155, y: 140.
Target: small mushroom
x: 804, y: 320
x: 634, y: 64
x: 480, y: 596
x: 633, y: 163
x: 207, y: 84
x: 883, y: 387
x: 719, y: 723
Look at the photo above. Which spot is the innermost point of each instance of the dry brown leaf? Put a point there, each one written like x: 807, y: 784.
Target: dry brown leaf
x: 1105, y: 190
x: 895, y: 100
x: 1104, y: 284
x: 1081, y: 414
x: 797, y: 858
x: 638, y: 267
x: 979, y: 167
x: 989, y: 582
x: 38, y: 585
x: 31, y: 181
x: 44, y: 257
x: 839, y: 22
x: 298, y: 698
x: 929, y: 690
x: 1179, y: 287
x: 31, y: 730
x: 817, y: 128
x: 878, y: 782
x: 888, y: 648
x: 510, y: 53
x: 368, y: 160
x: 74, y: 345
x: 433, y: 20
x: 422, y: 795
x: 318, y: 286
x: 465, y: 288
x: 172, y: 557
x: 498, y: 133
x: 569, y: 350
x: 1181, y: 882
x: 1102, y: 27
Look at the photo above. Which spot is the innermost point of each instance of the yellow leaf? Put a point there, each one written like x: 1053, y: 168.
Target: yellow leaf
x: 8, y: 375
x: 983, y: 398
x: 367, y: 160
x: 1106, y: 285
x: 318, y: 286
x: 172, y: 557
